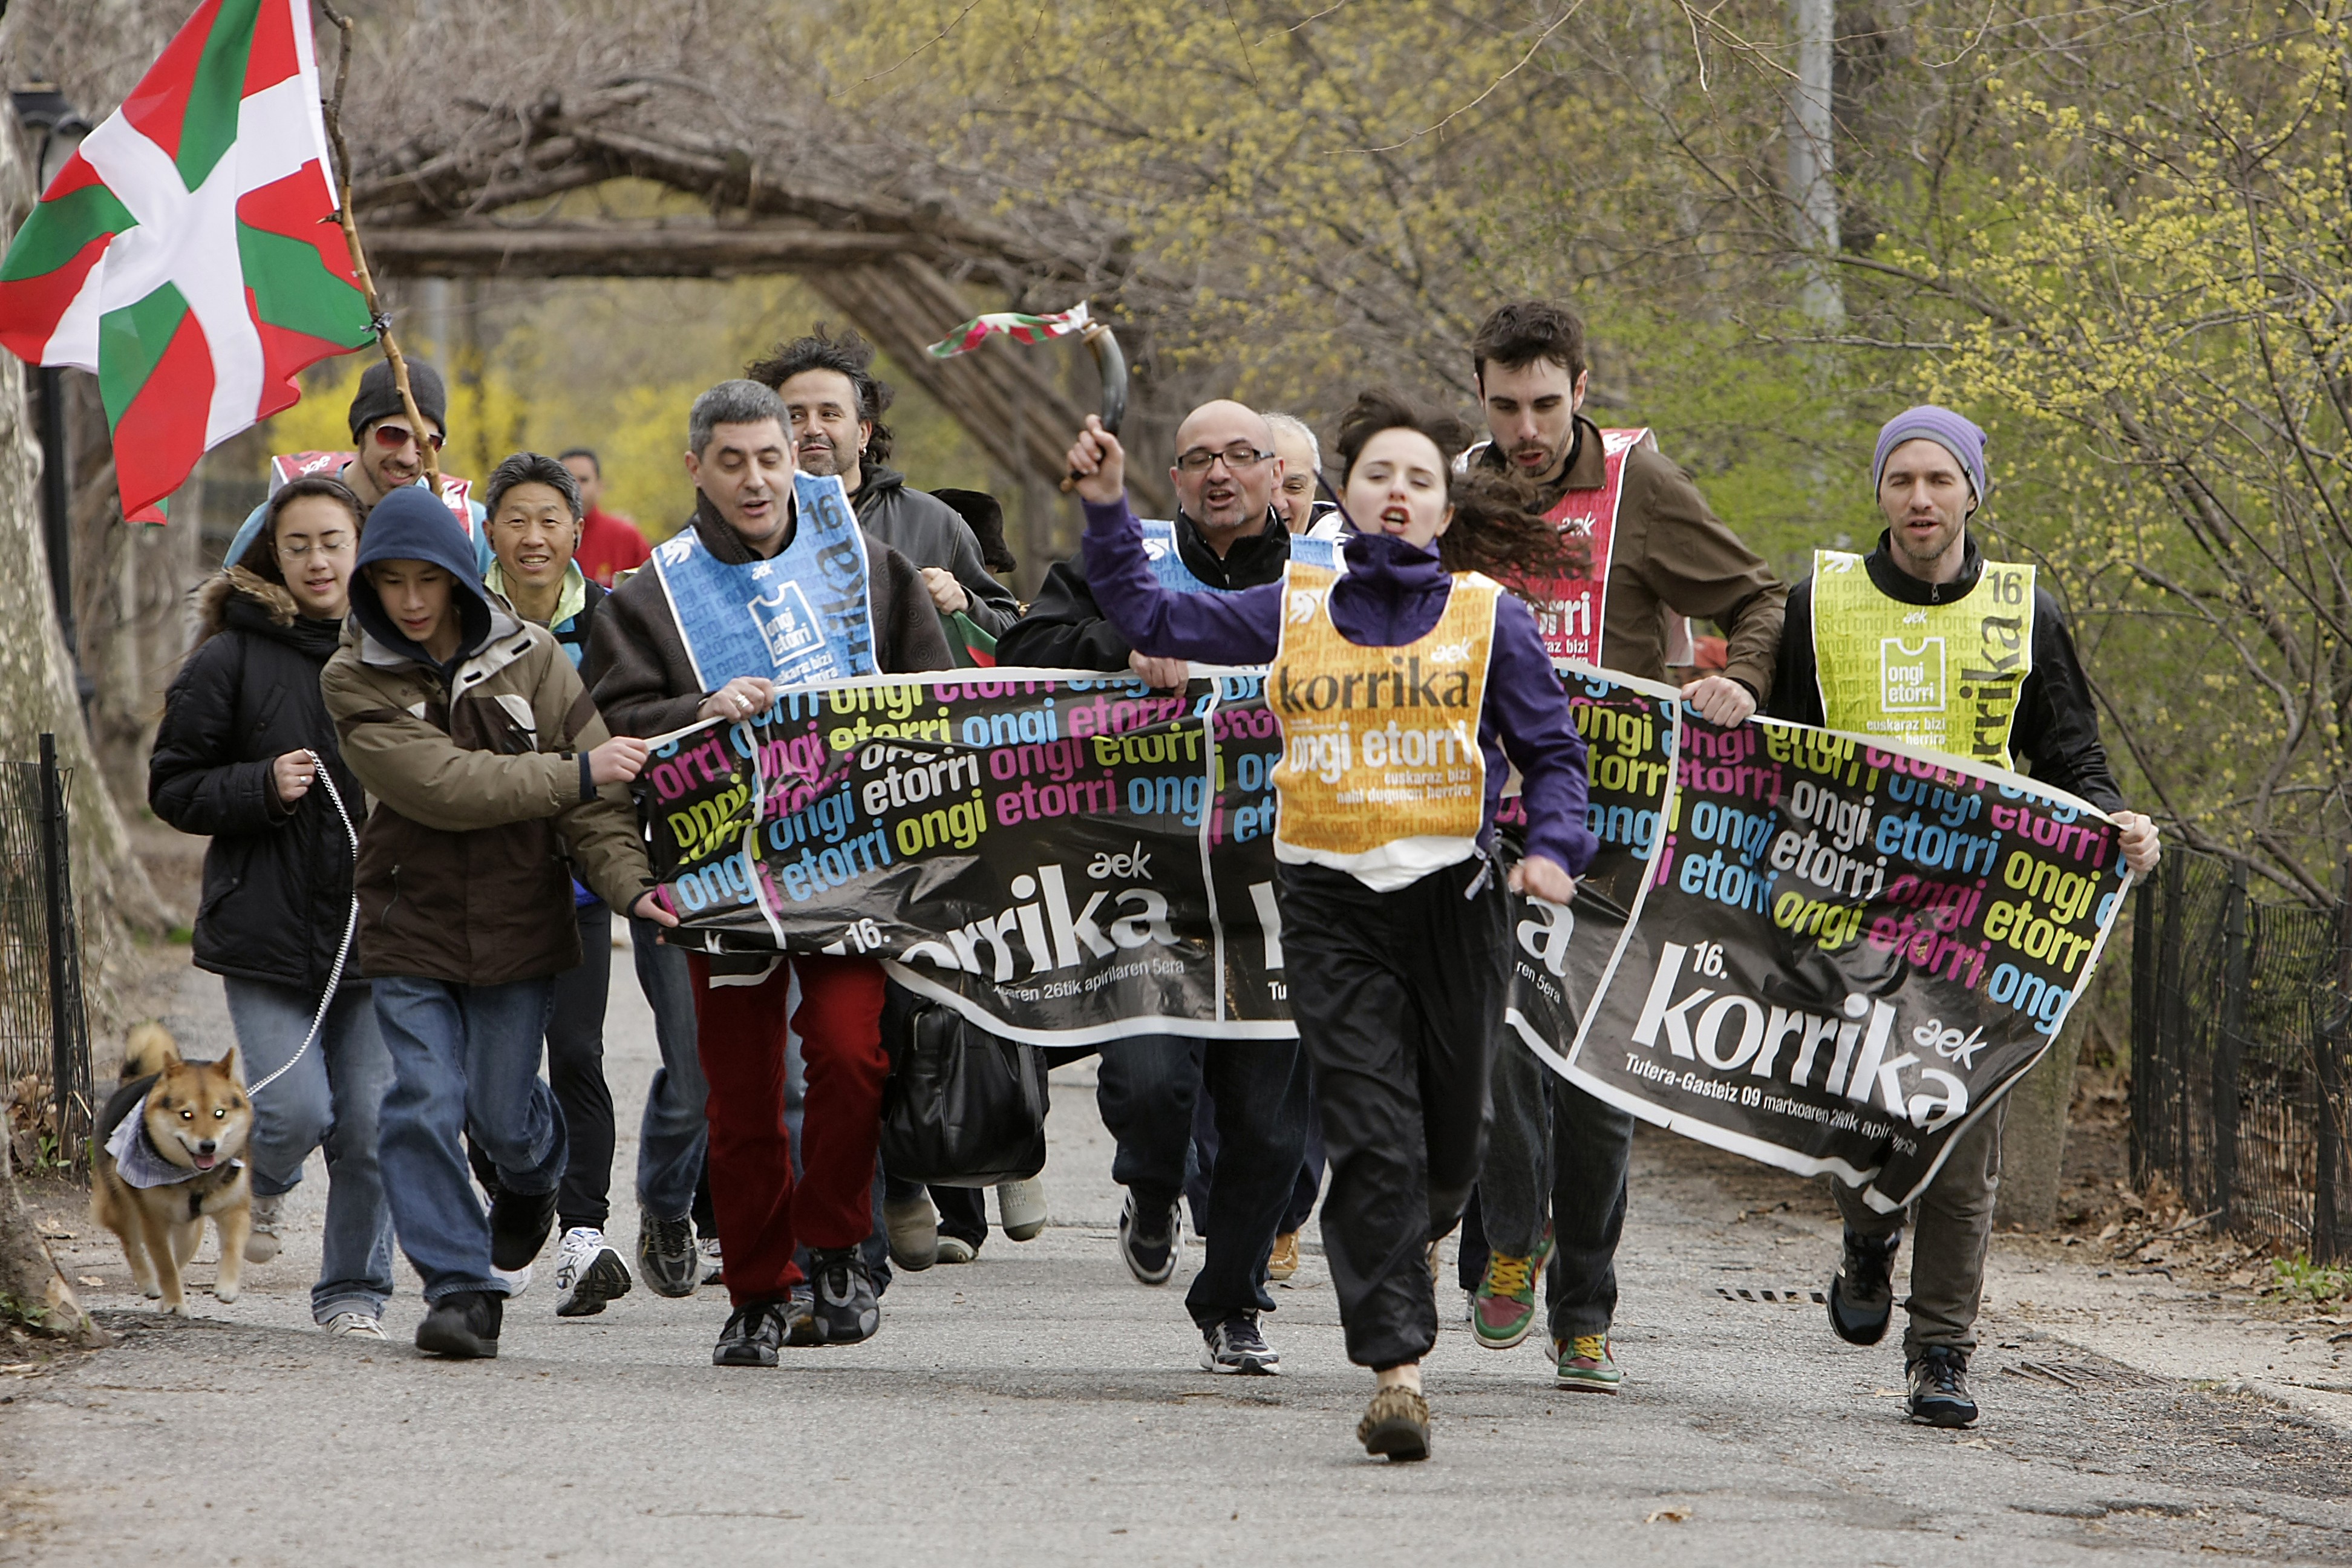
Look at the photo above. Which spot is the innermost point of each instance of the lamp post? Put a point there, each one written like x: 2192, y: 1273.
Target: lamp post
x: 57, y: 131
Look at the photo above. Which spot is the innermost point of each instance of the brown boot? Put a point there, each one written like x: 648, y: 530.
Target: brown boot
x: 1397, y: 1424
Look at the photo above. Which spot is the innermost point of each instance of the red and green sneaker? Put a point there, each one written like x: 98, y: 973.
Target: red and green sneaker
x: 1503, y: 1308
x: 1586, y: 1365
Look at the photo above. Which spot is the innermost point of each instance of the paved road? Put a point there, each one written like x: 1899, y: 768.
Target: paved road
x: 1040, y: 1406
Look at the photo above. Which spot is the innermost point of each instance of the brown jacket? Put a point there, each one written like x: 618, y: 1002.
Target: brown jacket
x: 636, y: 665
x: 462, y: 871
x: 1670, y: 555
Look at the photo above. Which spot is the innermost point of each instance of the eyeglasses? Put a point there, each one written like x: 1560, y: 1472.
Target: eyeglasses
x: 393, y: 437
x: 1236, y: 457
x: 332, y: 544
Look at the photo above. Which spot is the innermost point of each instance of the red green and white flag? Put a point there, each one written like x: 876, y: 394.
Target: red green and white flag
x: 1013, y: 324
x: 188, y: 254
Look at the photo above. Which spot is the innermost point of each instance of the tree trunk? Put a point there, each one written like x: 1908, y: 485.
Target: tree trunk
x: 32, y: 1294
x: 1812, y: 192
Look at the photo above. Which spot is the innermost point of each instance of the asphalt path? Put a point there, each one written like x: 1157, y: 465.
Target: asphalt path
x: 1040, y: 1406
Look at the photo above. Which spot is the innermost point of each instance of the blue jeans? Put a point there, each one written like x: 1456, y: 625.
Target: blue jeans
x: 329, y: 1100
x: 465, y: 1062
x: 1146, y: 1088
x: 673, y: 1135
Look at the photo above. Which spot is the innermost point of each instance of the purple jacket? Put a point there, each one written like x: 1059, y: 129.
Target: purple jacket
x: 1392, y: 593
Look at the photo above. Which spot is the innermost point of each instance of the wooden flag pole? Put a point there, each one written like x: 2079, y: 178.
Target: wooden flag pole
x: 376, y: 317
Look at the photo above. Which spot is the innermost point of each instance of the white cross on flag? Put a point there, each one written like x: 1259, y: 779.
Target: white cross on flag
x: 188, y: 254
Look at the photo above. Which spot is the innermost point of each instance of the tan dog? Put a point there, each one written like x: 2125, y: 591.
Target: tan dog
x: 177, y: 1164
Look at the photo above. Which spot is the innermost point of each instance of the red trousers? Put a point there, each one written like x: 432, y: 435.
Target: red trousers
x: 740, y: 1035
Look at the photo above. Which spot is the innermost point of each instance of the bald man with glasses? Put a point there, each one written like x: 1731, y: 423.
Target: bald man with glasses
x: 1226, y: 535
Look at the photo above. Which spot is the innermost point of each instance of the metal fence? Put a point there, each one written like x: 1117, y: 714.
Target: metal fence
x: 2240, y: 1055
x: 43, y: 1030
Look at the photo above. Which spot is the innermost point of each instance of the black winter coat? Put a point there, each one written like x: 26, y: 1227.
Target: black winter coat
x: 277, y: 882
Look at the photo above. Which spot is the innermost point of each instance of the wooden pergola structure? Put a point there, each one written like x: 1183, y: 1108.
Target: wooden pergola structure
x: 903, y: 273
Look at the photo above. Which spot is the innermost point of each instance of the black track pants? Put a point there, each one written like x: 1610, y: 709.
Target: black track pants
x: 1398, y: 997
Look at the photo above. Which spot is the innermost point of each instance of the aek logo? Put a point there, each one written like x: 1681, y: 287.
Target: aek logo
x: 1450, y: 653
x: 1136, y: 862
x: 1911, y: 680
x: 1303, y: 605
x: 1915, y: 618
x: 784, y: 621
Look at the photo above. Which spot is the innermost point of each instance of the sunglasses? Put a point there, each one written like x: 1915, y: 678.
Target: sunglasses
x: 393, y: 437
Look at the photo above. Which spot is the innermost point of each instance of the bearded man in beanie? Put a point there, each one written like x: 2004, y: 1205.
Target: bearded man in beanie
x: 1929, y: 579
x: 389, y: 454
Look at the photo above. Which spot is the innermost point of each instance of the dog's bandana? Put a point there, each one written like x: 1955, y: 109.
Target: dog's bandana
x: 137, y: 1160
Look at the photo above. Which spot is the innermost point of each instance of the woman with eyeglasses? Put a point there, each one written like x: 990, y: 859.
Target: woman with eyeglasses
x: 244, y: 737
x: 1407, y: 685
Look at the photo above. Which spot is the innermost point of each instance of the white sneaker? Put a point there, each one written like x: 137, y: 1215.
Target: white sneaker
x: 714, y: 1265
x: 516, y: 1280
x: 1021, y: 1208
x: 355, y: 1326
x: 588, y: 1273
x: 263, y: 1242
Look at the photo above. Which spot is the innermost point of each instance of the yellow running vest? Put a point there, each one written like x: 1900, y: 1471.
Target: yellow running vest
x: 1944, y: 677
x: 1380, y: 776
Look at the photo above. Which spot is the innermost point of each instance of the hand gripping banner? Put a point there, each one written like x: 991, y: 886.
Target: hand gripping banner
x: 1794, y: 944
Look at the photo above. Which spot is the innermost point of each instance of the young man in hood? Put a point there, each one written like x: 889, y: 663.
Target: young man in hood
x: 834, y: 406
x: 673, y: 647
x: 492, y: 776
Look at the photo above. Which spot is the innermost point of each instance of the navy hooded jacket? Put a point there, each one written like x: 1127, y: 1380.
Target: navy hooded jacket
x: 409, y: 524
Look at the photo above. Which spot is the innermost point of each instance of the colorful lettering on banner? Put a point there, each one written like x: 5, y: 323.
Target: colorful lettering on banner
x: 456, y: 494
x: 1944, y: 677
x: 1168, y: 565
x: 1571, y: 610
x: 804, y: 616
x: 1559, y: 952
x: 1846, y: 954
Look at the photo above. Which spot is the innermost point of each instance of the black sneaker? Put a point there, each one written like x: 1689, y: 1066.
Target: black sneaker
x: 519, y: 1225
x: 841, y: 1295
x: 463, y: 1325
x: 666, y: 1259
x: 1147, y: 1238
x: 753, y: 1332
x: 1234, y: 1346
x: 1862, y: 1293
x: 1939, y: 1388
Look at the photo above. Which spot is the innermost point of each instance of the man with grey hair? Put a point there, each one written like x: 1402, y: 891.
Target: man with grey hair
x: 1302, y: 461
x: 683, y: 641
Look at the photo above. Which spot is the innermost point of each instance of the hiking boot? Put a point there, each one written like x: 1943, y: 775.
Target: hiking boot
x: 1396, y: 1425
x: 1021, y: 1208
x: 1939, y: 1388
x: 1584, y: 1363
x: 753, y: 1332
x: 263, y: 1242
x: 1503, y: 1308
x: 1232, y: 1344
x: 1148, y: 1234
x: 843, y: 1303
x: 714, y: 1261
x: 463, y: 1325
x: 519, y: 1225
x: 1862, y: 1294
x: 913, y: 1226
x: 667, y: 1259
x: 587, y: 1273
x: 354, y: 1324
x: 1282, y: 1263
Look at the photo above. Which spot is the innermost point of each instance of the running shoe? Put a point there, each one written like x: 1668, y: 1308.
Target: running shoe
x: 1503, y: 1308
x: 354, y: 1325
x: 1233, y: 1344
x: 1939, y: 1388
x: 714, y: 1263
x: 463, y: 1325
x: 667, y: 1259
x: 956, y: 1250
x: 587, y: 1273
x: 753, y: 1332
x: 1396, y: 1425
x: 1148, y: 1239
x: 1586, y: 1365
x: 263, y: 1242
x: 801, y: 1327
x: 913, y: 1227
x: 1283, y: 1261
x: 1861, y: 1295
x: 844, y: 1300
x: 1021, y: 1208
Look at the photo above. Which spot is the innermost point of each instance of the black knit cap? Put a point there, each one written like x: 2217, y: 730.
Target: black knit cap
x: 379, y: 398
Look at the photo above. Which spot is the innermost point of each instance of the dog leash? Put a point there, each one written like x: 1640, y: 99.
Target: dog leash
x: 350, y: 929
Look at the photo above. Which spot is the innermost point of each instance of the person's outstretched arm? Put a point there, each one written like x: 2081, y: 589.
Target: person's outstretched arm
x: 1531, y: 714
